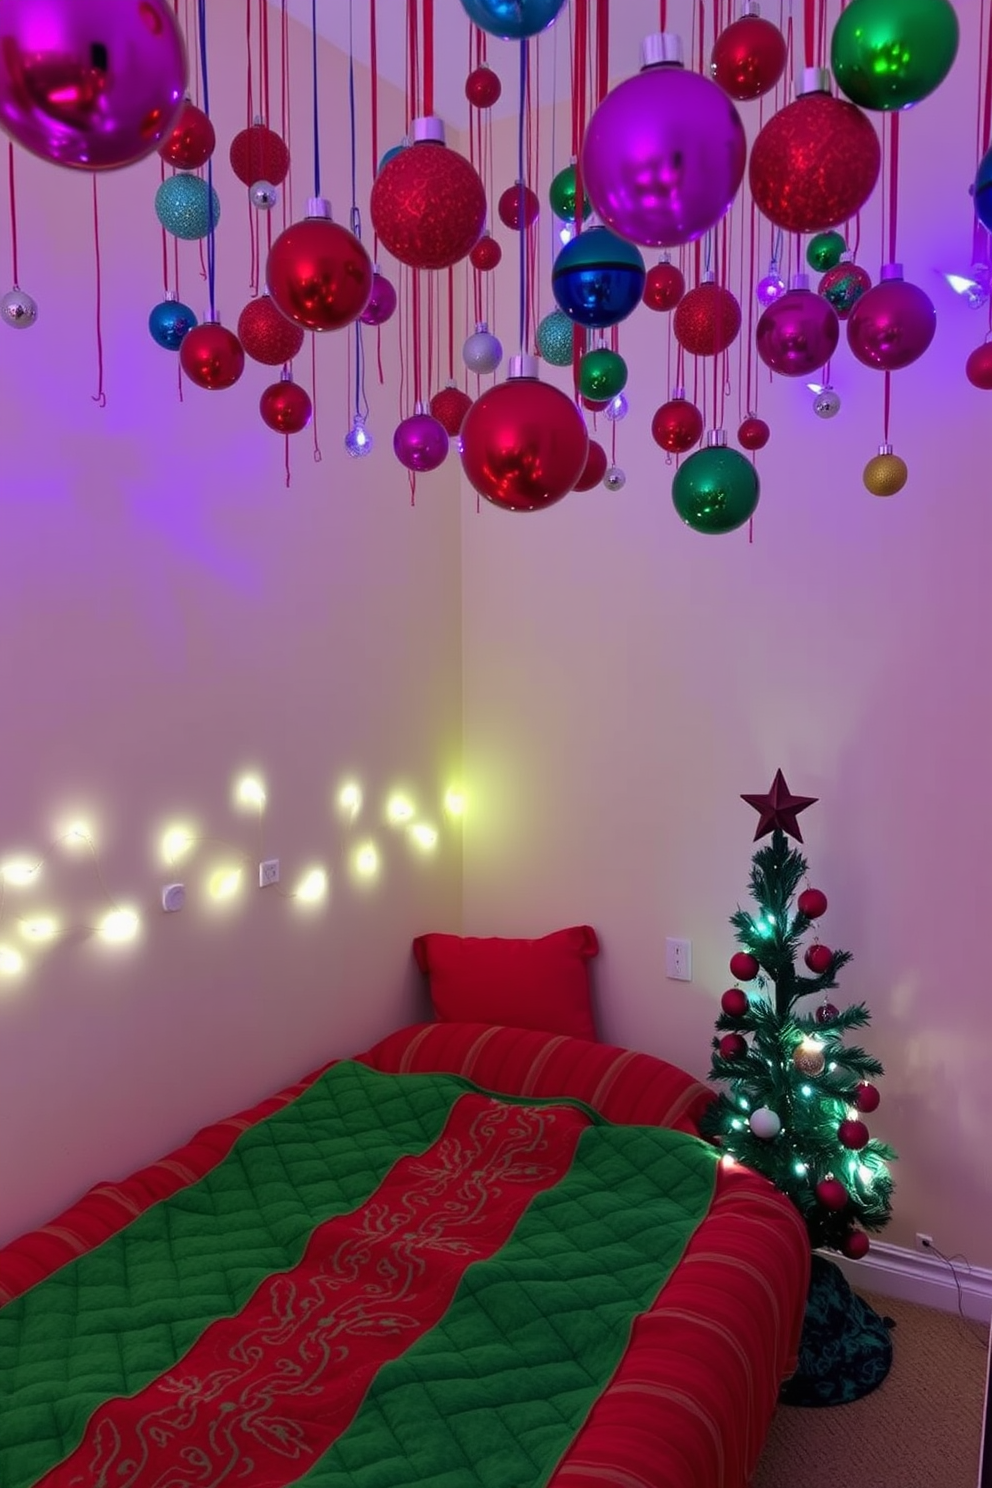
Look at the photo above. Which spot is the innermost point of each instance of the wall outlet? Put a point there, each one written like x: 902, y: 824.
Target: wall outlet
x: 923, y: 1242
x: 268, y: 873
x: 678, y: 960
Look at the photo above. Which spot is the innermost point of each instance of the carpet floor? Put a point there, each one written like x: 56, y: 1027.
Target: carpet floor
x: 920, y: 1429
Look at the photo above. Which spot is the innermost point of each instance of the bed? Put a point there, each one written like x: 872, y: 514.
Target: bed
x: 343, y: 1286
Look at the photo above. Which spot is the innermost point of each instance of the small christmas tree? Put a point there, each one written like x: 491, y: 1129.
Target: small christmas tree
x: 797, y: 1092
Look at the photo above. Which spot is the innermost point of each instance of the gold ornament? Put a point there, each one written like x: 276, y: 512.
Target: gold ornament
x: 808, y: 1057
x: 885, y: 473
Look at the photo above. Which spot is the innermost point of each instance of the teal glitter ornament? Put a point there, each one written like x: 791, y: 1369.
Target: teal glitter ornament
x: 716, y: 489
x: 602, y: 374
x: 169, y: 322
x: 824, y: 251
x: 554, y: 339
x: 183, y: 206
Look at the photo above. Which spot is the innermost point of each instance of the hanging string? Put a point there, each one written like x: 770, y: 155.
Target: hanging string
x: 579, y: 96
x: 317, y: 454
x: 451, y: 325
x: 13, y: 212
x: 361, y: 407
x: 893, y: 182
x: 886, y: 406
x: 263, y: 41
x: 809, y: 31
x: 250, y: 100
x: 521, y: 189
x: 211, y: 224
x: 428, y: 57
x: 316, y: 109
x: 374, y: 104
x: 602, y: 49
x: 284, y: 114
x: 99, y: 397
x: 254, y: 252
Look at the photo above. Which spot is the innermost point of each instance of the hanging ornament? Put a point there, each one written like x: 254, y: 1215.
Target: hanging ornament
x: 853, y: 1134
x: 524, y: 442
x: 420, y: 442
x: 826, y: 1012
x: 93, y: 86
x: 597, y: 278
x: 978, y: 367
x: 265, y: 333
x: 749, y: 56
x: 890, y: 56
x: 169, y: 322
x: 824, y: 251
x: 212, y: 356
x: 318, y: 273
x: 382, y: 301
x: 595, y: 467
x: 819, y: 958
x: 285, y: 406
x: 259, y: 154
x: 714, y: 491
x: 885, y: 474
x: 594, y: 405
x: 982, y: 190
x: 844, y: 284
x: 831, y: 1193
x: 677, y: 424
x: 808, y: 1057
x: 18, y: 310
x: 263, y: 196
x: 392, y: 153
x: 866, y: 1097
x: 892, y: 323
x: 562, y: 195
x: 483, y: 87
x: 187, y: 206
x: 428, y: 204
x: 615, y: 479
x: 512, y: 19
x: 554, y: 339
x: 826, y: 403
x: 602, y: 374
x: 664, y: 286
x: 707, y: 318
x: 486, y: 254
x: 814, y: 163
x: 664, y: 153
x: 765, y: 1123
x: 798, y: 332
x: 753, y: 433
x: 617, y: 408
x: 518, y: 207
x: 732, y: 1046
x: 358, y: 441
x: 855, y: 1245
x: 449, y: 407
x: 771, y: 287
x: 191, y: 140
x: 812, y: 903
x: 482, y: 352
x: 734, y: 1002
x: 744, y: 966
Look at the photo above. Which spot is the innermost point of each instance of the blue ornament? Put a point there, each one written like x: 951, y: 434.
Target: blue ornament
x: 512, y: 19
x: 391, y: 154
x: 183, y: 206
x: 598, y: 278
x: 554, y: 339
x: 982, y: 191
x: 169, y: 322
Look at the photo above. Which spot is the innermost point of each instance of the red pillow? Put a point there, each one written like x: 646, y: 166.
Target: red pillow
x: 542, y: 984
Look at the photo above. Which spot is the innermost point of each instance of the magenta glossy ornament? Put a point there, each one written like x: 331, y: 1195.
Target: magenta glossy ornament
x: 892, y: 323
x: 799, y: 332
x: 420, y: 442
x: 771, y: 287
x: 382, y: 301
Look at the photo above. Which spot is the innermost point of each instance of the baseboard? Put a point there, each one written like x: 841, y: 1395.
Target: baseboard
x: 915, y: 1276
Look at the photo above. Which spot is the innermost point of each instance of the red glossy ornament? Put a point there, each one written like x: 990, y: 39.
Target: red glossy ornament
x: 819, y: 958
x: 191, y: 140
x: 595, y: 467
x: 853, y: 1134
x: 524, y: 444
x: 744, y: 966
x: 664, y: 286
x: 428, y: 204
x: 285, y: 407
x: 831, y: 1193
x: 483, y: 87
x: 259, y: 154
x: 814, y: 164
x: 734, y: 1002
x: 677, y: 426
x: 707, y: 320
x: 753, y: 433
x: 866, y: 1097
x: 978, y: 367
x: 856, y: 1245
x: 518, y: 207
x: 594, y: 405
x: 318, y: 273
x: 212, y: 356
x: 486, y: 254
x: 748, y: 57
x: 265, y: 333
x: 732, y: 1046
x: 449, y: 406
x: 812, y: 903
x: 825, y: 1013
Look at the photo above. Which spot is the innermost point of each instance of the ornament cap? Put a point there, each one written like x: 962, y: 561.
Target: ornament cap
x: 813, y: 80
x: 750, y: 8
x: 716, y: 438
x: 800, y: 281
x: 891, y: 271
x: 678, y: 392
x: 662, y: 49
x: 846, y: 257
x: 708, y: 277
x: 418, y: 409
x: 210, y: 317
x: 523, y: 365
x: 427, y: 130
x: 885, y: 449
x: 285, y: 375
x: 170, y: 296
x: 319, y: 206
x: 481, y: 327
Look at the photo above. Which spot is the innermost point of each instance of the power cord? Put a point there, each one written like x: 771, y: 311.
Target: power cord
x: 979, y: 1335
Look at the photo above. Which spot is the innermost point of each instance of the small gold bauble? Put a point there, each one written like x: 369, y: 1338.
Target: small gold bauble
x: 885, y: 475
x: 808, y: 1057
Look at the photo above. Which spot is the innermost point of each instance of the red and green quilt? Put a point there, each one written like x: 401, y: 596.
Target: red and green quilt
x: 394, y: 1280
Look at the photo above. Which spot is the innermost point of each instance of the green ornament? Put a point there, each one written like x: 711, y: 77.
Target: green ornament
x: 888, y: 54
x: 824, y: 251
x: 602, y: 374
x: 561, y: 194
x: 554, y: 339
x: 715, y: 490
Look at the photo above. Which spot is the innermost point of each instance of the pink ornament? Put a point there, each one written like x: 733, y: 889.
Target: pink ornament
x: 798, y: 332
x: 978, y: 367
x: 420, y: 442
x: 382, y: 301
x: 892, y: 324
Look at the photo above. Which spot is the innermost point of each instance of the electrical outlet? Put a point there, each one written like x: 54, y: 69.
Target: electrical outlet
x: 268, y: 873
x: 923, y: 1242
x: 678, y: 960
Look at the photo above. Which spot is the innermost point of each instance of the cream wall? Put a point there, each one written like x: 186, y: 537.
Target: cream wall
x: 625, y: 679
x: 173, y: 615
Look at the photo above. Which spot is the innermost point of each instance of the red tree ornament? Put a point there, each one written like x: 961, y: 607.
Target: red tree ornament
x: 978, y: 367
x: 483, y: 87
x: 866, y: 1097
x: 285, y: 407
x: 825, y: 1013
x: 595, y: 467
x: 664, y: 286
x: 707, y: 319
x: 524, y: 443
x: 259, y: 154
x: 677, y: 426
x: 748, y: 57
x: 744, y: 966
x: 518, y: 206
x: 428, y: 203
x: 732, y: 1046
x: 753, y: 433
x: 318, y: 273
x: 265, y: 333
x: 814, y: 164
x: 812, y: 903
x: 486, y: 254
x: 212, y: 356
x: 449, y: 406
x: 819, y: 958
x: 734, y: 1002
x: 831, y: 1193
x: 852, y: 1134
x: 856, y: 1245
x: 191, y: 140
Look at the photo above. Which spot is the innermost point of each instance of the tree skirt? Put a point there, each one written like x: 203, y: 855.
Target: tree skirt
x: 845, y: 1350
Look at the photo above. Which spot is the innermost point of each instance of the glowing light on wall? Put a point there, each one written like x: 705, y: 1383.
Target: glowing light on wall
x: 312, y: 886
x: 78, y: 834
x: 176, y: 841
x: 424, y: 836
x: 18, y: 872
x: 11, y: 961
x: 250, y: 792
x: 399, y: 809
x: 42, y: 927
x: 367, y: 860
x: 454, y: 802
x: 350, y: 799
x: 119, y: 925
x: 224, y: 884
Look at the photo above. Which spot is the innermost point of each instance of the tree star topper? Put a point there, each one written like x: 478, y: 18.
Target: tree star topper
x: 779, y: 808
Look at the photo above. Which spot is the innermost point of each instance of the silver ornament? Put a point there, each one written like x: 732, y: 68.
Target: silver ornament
x: 617, y: 408
x: 826, y: 404
x: 482, y: 352
x: 263, y: 196
x: 614, y: 479
x: 18, y: 309
x: 765, y: 1123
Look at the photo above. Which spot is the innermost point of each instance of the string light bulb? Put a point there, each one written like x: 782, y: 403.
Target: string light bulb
x: 224, y: 884
x: 367, y: 860
x: 119, y: 925
x: 399, y: 809
x: 350, y: 799
x: 250, y: 792
x: 312, y: 886
x: 11, y: 961
x: 424, y: 836
x: 43, y: 927
x: 19, y: 872
x: 454, y: 802
x: 176, y: 841
x: 972, y: 287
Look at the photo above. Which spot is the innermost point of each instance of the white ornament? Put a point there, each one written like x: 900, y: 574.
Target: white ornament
x: 482, y: 351
x: 826, y: 404
x: 765, y: 1123
x: 18, y: 309
x: 614, y: 479
x: 263, y: 195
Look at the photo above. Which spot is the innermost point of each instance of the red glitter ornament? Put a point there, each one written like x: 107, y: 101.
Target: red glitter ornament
x: 664, y: 286
x: 677, y: 426
x: 748, y: 57
x: 707, y: 319
x: 285, y: 407
x: 744, y: 966
x: 831, y: 1193
x: 518, y: 206
x: 855, y: 1245
x: 258, y: 154
x: 819, y: 958
x: 853, y: 1135
x: 825, y: 1013
x: 449, y: 407
x: 191, y: 140
x: 978, y: 367
x: 595, y: 468
x: 814, y: 164
x: 212, y: 356
x: 753, y: 433
x: 483, y: 87
x: 812, y: 903
x: 734, y: 1002
x: 265, y: 333
x: 866, y: 1097
x: 524, y: 444
x: 486, y: 254
x: 732, y: 1046
x: 318, y: 273
x: 428, y: 204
